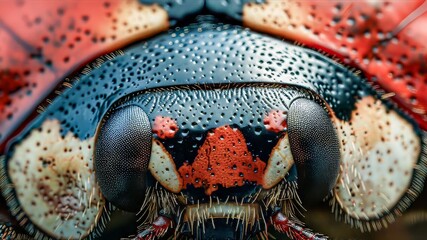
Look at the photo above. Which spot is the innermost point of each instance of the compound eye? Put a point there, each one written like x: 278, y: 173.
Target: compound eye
x: 315, y: 149
x: 122, y: 153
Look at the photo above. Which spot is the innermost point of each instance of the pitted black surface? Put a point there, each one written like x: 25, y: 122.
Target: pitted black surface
x: 200, y: 54
x: 204, y: 53
x: 196, y: 111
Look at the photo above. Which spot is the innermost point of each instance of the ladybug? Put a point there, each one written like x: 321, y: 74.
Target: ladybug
x: 209, y: 119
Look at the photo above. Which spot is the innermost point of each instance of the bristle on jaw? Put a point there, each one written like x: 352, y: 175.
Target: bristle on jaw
x: 156, y: 199
x: 197, y: 215
x: 285, y: 194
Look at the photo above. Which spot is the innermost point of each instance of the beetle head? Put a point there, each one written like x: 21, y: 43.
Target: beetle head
x: 206, y: 113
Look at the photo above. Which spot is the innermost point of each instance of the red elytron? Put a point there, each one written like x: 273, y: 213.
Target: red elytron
x: 383, y: 39
x: 43, y: 41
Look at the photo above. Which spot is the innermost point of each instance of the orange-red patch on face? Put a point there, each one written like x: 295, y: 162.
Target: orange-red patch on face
x: 223, y: 159
x: 275, y: 121
x: 165, y: 127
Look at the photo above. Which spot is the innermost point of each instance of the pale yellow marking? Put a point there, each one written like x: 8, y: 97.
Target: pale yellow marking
x: 379, y: 152
x: 162, y: 167
x: 55, y: 183
x: 279, y: 163
x: 272, y: 18
x: 142, y: 21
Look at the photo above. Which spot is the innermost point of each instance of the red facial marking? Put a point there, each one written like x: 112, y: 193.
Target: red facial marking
x: 275, y: 121
x: 223, y: 159
x: 165, y: 127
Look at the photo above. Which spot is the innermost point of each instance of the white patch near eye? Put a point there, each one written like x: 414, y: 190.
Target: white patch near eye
x: 55, y: 183
x: 379, y: 151
x: 162, y: 167
x: 280, y: 162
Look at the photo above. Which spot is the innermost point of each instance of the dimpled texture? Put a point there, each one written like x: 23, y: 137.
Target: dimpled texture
x: 275, y: 121
x: 380, y: 155
x: 279, y: 163
x: 122, y: 154
x: 384, y: 39
x: 162, y: 167
x: 212, y: 123
x: 315, y: 147
x: 196, y: 112
x: 55, y: 184
x: 198, y: 55
x: 224, y: 160
x: 44, y: 41
x: 165, y: 127
x: 202, y: 53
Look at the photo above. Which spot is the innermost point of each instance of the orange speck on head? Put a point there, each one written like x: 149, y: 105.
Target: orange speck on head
x: 165, y: 127
x: 275, y: 121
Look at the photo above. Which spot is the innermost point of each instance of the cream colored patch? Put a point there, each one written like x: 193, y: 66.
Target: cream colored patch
x: 282, y: 18
x: 139, y: 22
x: 379, y: 152
x: 162, y: 167
x: 55, y: 183
x: 280, y: 162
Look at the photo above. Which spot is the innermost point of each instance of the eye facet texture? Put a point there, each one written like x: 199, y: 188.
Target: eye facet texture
x: 315, y: 148
x: 122, y: 154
